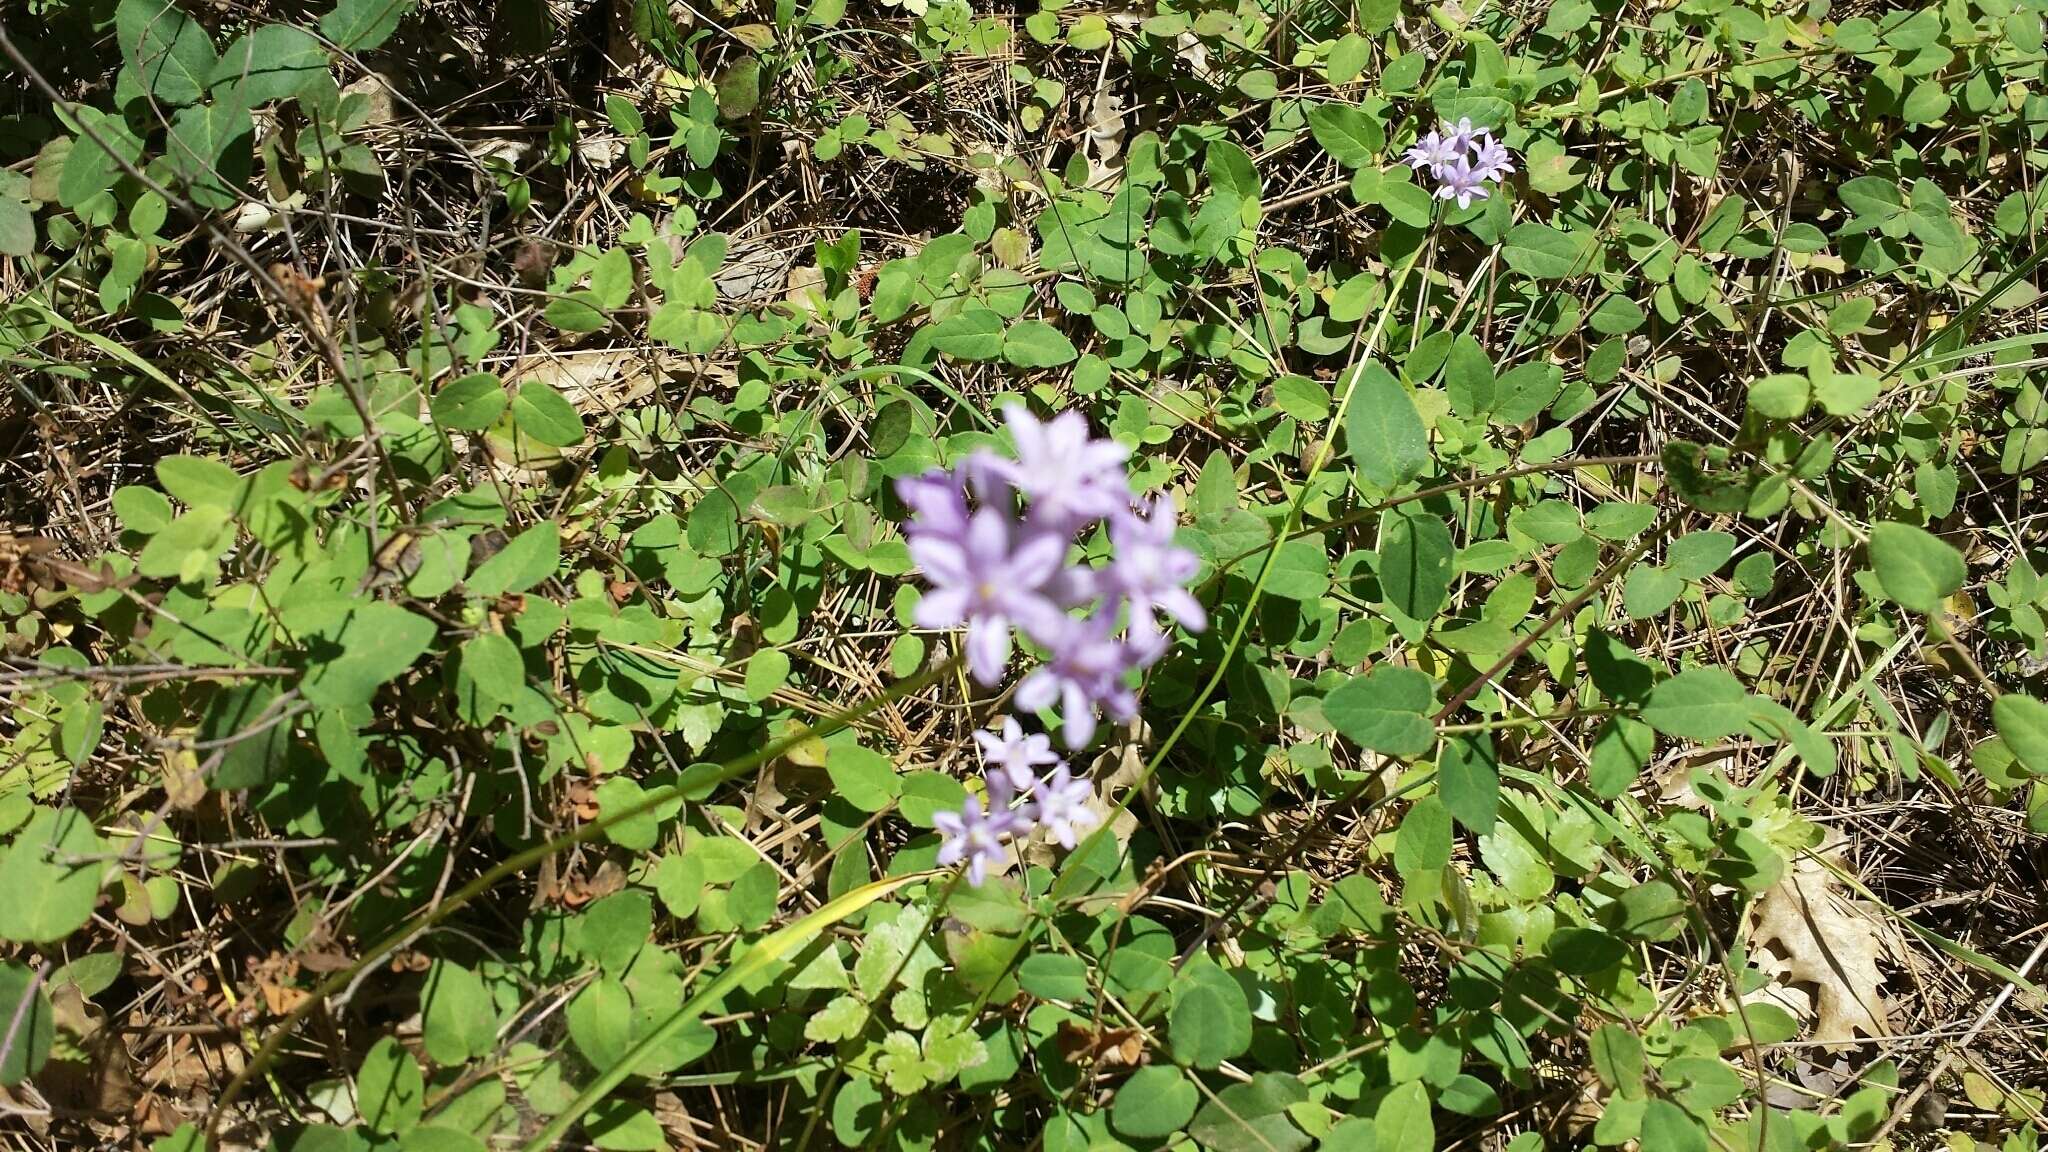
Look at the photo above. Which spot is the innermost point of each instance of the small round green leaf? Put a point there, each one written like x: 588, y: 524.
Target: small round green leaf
x: 470, y: 404
x: 1211, y: 1021
x: 1916, y: 569
x: 1153, y: 1103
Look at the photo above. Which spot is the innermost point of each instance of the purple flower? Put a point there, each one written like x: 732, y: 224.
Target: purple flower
x: 1490, y: 160
x: 1060, y: 804
x: 1086, y: 671
x: 1461, y: 183
x: 1457, y: 137
x: 1431, y: 152
x: 1068, y: 476
x: 975, y: 837
x: 1149, y: 571
x: 936, y: 501
x: 989, y: 574
x: 1013, y: 757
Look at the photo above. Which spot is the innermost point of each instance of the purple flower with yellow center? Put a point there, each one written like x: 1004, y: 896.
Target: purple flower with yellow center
x: 1431, y: 153
x: 989, y: 574
x: 1491, y: 159
x: 1149, y: 571
x: 1068, y: 476
x: 1060, y: 805
x: 1084, y: 672
x: 1460, y: 183
x: 975, y: 837
x: 1013, y: 757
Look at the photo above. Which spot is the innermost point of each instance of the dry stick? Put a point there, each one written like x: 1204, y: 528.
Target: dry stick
x: 1997, y: 1004
x: 330, y: 351
x: 461, y: 897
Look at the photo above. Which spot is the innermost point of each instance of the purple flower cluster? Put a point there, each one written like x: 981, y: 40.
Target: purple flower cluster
x: 1019, y: 799
x: 1462, y: 159
x: 994, y: 538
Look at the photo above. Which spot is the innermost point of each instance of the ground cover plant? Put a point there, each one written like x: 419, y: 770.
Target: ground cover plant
x: 1244, y: 575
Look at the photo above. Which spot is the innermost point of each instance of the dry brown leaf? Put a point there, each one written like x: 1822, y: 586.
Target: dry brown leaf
x: 1082, y: 1044
x: 1822, y: 940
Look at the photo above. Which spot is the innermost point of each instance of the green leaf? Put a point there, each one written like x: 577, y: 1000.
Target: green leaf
x: 26, y: 1020
x: 210, y: 147
x: 1351, y: 137
x: 90, y: 169
x: 739, y: 88
x: 1385, y: 711
x: 1668, y: 1128
x: 1154, y: 1102
x: 17, y: 226
x: 576, y: 312
x: 543, y: 414
x: 1423, y: 842
x: 525, y: 561
x: 1650, y: 589
x: 611, y: 281
x: 1402, y: 1123
x: 863, y: 778
x: 1584, y: 951
x: 1252, y: 1117
x: 1230, y: 170
x: 1301, y: 569
x: 714, y: 524
x: 255, y: 749
x: 1699, y: 704
x: 1617, y: 1059
x: 1415, y: 563
x: 1210, y: 1021
x: 459, y: 1021
x: 187, y: 547
x: 492, y: 662
x: 51, y: 874
x: 168, y: 51
x: 1469, y: 378
x: 435, y: 1138
x: 1054, y: 976
x: 360, y: 25
x: 389, y: 1089
x: 202, y: 481
x: 1698, y: 555
x: 2022, y: 723
x: 611, y: 932
x: 1385, y: 432
x: 975, y: 334
x: 1916, y: 569
x: 142, y: 509
x: 600, y: 1021
x: 275, y: 62
x: 354, y: 647
x: 1469, y: 782
x: 469, y: 404
x: 1036, y: 344
x: 1620, y: 751
x: 1782, y: 396
x: 1542, y: 252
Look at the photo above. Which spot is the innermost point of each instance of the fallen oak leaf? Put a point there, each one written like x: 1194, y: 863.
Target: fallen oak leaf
x: 1826, y: 942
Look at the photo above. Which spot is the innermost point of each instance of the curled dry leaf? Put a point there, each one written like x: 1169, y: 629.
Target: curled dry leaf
x: 1825, y: 950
